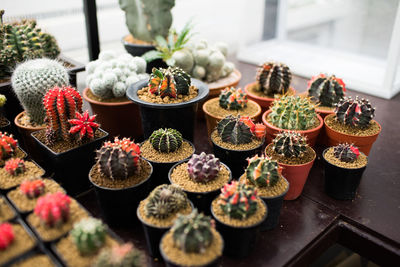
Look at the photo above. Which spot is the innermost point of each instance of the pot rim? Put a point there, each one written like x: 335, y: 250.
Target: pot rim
x: 235, y: 71
x: 37, y: 128
x: 124, y: 42
x: 236, y: 150
x: 350, y: 169
x: 173, y: 162
x: 260, y: 97
x: 92, y: 101
x: 259, y: 110
x: 278, y: 196
x: 295, y: 165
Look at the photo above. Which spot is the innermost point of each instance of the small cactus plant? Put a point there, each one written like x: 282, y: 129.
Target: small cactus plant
x: 32, y: 188
x: 169, y: 82
x: 354, y: 112
x: 118, y: 159
x: 166, y: 140
x: 327, y: 91
x: 83, y: 125
x: 238, y: 200
x: 124, y: 255
x: 290, y: 144
x: 274, y: 78
x: 165, y: 200
x: 262, y: 171
x: 235, y: 130
x: 203, y: 168
x: 192, y: 233
x: 15, y: 166
x: 7, y: 145
x: 6, y: 235
x: 53, y: 209
x: 3, y: 100
x: 89, y: 235
x: 231, y: 98
x: 346, y: 152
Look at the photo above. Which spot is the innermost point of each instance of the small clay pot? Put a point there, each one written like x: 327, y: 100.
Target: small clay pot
x: 364, y: 143
x: 272, y: 131
x: 322, y: 137
x: 341, y: 183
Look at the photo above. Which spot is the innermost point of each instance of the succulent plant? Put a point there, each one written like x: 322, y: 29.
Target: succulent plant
x: 89, y: 235
x: 293, y: 113
x: 53, y: 209
x: 203, y: 167
x: 231, y: 98
x: 192, y: 233
x: 165, y: 200
x: 7, y: 145
x: 354, y: 112
x: 326, y: 91
x: 118, y: 159
x: 233, y: 130
x: 290, y: 144
x: 22, y: 41
x: 15, y: 166
x: 346, y: 152
x: 32, y: 79
x: 83, y: 125
x: 238, y: 200
x: 166, y: 140
x: 262, y: 171
x: 32, y: 188
x: 169, y: 82
x: 124, y: 255
x: 3, y: 100
x: 274, y: 78
x: 260, y: 130
x: 6, y: 235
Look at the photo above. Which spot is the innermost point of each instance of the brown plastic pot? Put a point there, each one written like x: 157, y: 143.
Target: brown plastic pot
x: 364, y: 143
x: 272, y: 130
x: 118, y: 118
x: 296, y: 175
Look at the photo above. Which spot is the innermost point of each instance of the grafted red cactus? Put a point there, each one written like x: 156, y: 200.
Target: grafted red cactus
x: 7, y: 145
x: 260, y: 130
x: 6, y: 235
x: 32, y: 188
x: 83, y: 125
x: 15, y: 166
x: 53, y: 209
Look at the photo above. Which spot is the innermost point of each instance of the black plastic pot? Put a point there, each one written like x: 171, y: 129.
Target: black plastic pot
x: 39, y: 250
x: 201, y: 200
x: 70, y: 168
x: 341, y: 183
x: 179, y: 116
x: 118, y: 205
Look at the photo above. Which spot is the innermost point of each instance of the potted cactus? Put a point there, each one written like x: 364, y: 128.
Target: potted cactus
x: 158, y: 211
x: 265, y: 174
x: 238, y: 212
x: 4, y: 122
x: 293, y: 113
x: 192, y: 241
x: 231, y: 101
x: 107, y: 81
x: 296, y: 158
x: 120, y: 177
x: 353, y: 123
x: 9, y: 148
x: 201, y: 177
x: 119, y: 256
x: 344, y: 166
x: 7, y: 213
x: 235, y: 139
x: 169, y: 98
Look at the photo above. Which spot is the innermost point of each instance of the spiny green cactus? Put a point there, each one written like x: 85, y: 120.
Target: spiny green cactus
x: 32, y: 79
x: 262, y: 171
x: 125, y: 255
x: 169, y: 82
x: 346, y: 152
x: 192, y: 233
x: 290, y: 144
x: 326, y: 91
x: 89, y: 235
x: 231, y: 98
x: 274, y: 78
x: 166, y: 140
x: 233, y: 130
x: 293, y: 113
x: 355, y: 113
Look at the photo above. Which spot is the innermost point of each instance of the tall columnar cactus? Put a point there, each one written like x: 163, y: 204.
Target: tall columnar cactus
x: 15, y: 166
x: 118, y: 159
x: 165, y: 200
x: 169, y: 82
x: 203, y: 167
x: 262, y: 171
x: 327, y: 91
x: 7, y: 145
x: 238, y: 200
x: 89, y: 235
x: 192, y: 233
x: 83, y: 125
x: 274, y: 78
x: 32, y: 188
x: 22, y: 41
x: 233, y: 130
x: 125, y: 255
x: 293, y: 113
x: 53, y: 209
x: 32, y: 79
x: 166, y: 140
x: 346, y: 152
x: 231, y: 98
x: 354, y: 112
x: 290, y: 144
x: 6, y: 235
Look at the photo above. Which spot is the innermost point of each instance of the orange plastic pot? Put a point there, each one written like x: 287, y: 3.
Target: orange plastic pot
x: 364, y: 143
x: 322, y: 138
x: 311, y: 134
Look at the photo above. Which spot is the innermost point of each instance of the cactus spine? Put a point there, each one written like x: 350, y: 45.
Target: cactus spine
x: 125, y: 255
x: 346, y: 152
x: 89, y: 235
x: 274, y: 78
x: 7, y: 145
x: 355, y: 113
x: 32, y: 188
x: 15, y: 166
x: 203, y: 168
x: 327, y: 91
x: 231, y: 98
x: 169, y: 82
x: 166, y: 140
x: 53, y: 209
x: 262, y: 171
x: 290, y: 144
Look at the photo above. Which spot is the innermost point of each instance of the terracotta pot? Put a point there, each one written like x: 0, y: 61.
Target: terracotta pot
x: 118, y: 119
x: 364, y: 143
x: 296, y: 175
x: 272, y: 130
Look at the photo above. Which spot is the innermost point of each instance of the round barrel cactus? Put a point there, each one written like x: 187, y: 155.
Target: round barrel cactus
x: 262, y: 171
x: 169, y: 82
x: 326, y: 91
x: 274, y: 78
x: 346, y: 152
x: 290, y: 144
x: 354, y: 112
x: 166, y: 140
x: 89, y: 235
x: 203, y: 167
x: 234, y: 99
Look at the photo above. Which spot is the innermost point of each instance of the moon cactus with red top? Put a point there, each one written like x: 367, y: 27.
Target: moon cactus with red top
x: 53, y: 209
x: 15, y: 166
x: 84, y: 125
x: 7, y: 145
x: 32, y: 188
x: 6, y: 235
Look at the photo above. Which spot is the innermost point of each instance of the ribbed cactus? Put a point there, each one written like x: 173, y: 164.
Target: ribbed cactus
x: 274, y: 78
x: 83, y: 125
x: 15, y: 166
x: 22, y: 41
x: 32, y: 79
x: 166, y: 140
x: 231, y: 98
x: 203, y: 167
x: 327, y: 91
x: 192, y: 233
x: 356, y: 113
x: 32, y: 188
x: 262, y: 171
x: 293, y: 113
x: 6, y: 235
x: 89, y: 235
x: 125, y: 255
x: 346, y: 152
x: 238, y: 200
x: 290, y: 144
x: 118, y: 159
x: 165, y: 200
x: 7, y: 145
x: 169, y: 82
x: 53, y: 209
x: 233, y: 130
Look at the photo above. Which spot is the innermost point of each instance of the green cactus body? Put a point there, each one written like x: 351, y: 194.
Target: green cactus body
x: 169, y: 82
x: 192, y: 233
x: 290, y: 144
x: 355, y: 113
x: 124, y: 255
x: 234, y: 99
x: 89, y: 235
x: 263, y: 171
x: 346, y: 152
x: 3, y: 100
x: 166, y: 140
x: 327, y: 91
x: 274, y: 78
x: 232, y: 130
